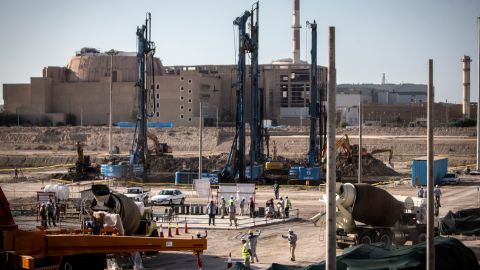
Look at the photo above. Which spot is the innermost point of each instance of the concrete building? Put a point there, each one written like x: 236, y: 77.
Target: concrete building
x: 82, y: 89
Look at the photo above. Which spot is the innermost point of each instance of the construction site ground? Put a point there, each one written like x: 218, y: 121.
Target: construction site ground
x: 54, y: 148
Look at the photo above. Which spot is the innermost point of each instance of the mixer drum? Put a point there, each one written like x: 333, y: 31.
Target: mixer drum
x: 375, y: 206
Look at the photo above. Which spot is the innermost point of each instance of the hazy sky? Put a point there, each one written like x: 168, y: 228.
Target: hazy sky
x: 373, y: 36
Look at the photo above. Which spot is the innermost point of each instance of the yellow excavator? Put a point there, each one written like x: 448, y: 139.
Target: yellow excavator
x: 274, y: 165
x: 347, y: 150
x: 158, y: 148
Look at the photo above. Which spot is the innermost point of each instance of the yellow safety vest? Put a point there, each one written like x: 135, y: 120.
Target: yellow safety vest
x: 245, y: 252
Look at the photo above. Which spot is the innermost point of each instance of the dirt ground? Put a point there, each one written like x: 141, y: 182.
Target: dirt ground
x: 31, y: 147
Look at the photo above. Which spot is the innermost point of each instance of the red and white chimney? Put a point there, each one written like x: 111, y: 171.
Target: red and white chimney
x: 296, y: 32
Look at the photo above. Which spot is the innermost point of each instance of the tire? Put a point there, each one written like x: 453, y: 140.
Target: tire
x: 420, y: 238
x: 386, y: 238
x: 365, y: 238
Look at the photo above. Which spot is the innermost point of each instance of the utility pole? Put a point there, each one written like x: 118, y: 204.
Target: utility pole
x: 111, y: 53
x: 478, y: 101
x: 430, y: 178
x: 331, y: 155
x: 200, y: 124
x: 360, y: 120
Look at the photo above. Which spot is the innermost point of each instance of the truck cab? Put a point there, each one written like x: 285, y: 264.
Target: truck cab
x: 138, y: 194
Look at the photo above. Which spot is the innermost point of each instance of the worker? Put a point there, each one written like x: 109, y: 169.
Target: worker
x: 231, y: 213
x: 199, y: 235
x: 251, y: 205
x: 51, y: 213
x: 292, y: 243
x: 57, y: 212
x: 16, y: 173
x: 242, y: 206
x: 246, y: 252
x: 288, y: 206
x: 43, y: 215
x: 276, y: 189
x: 421, y: 192
x: 211, y: 211
x: 269, y: 210
x: 223, y: 206
x: 281, y: 208
x: 231, y: 200
x: 437, y: 192
x: 252, y: 238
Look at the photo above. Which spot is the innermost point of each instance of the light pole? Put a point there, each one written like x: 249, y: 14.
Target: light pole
x: 111, y: 53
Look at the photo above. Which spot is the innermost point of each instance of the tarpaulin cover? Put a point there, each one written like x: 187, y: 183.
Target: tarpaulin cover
x: 450, y: 253
x: 466, y: 222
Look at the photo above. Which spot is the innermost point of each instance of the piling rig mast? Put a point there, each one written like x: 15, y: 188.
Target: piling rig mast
x: 145, y: 89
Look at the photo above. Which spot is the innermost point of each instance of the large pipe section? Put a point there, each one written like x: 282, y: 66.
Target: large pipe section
x: 296, y: 32
x: 331, y: 156
x: 466, y: 85
x: 430, y: 175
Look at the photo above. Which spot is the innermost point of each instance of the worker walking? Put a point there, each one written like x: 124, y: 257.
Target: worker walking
x: 232, y: 200
x: 246, y: 252
x: 43, y: 215
x: 251, y: 205
x: 420, y: 192
x: 211, y: 211
x: 276, y: 189
x: 292, y: 242
x: 281, y: 208
x: 223, y: 205
x: 242, y: 206
x: 51, y: 213
x: 231, y: 213
x: 437, y: 192
x: 288, y: 205
x: 252, y: 238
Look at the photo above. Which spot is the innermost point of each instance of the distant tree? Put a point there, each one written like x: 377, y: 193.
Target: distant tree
x: 8, y: 119
x: 59, y: 124
x: 343, y: 124
x: 133, y: 115
x: 71, y: 119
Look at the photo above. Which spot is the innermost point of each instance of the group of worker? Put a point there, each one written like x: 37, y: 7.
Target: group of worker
x: 49, y: 211
x: 437, y: 192
x: 249, y: 246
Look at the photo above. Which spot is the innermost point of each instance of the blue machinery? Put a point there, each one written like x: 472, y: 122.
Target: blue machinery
x: 145, y: 91
x: 236, y: 159
x: 312, y: 170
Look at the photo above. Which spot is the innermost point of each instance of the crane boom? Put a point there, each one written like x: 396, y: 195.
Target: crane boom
x: 313, y: 146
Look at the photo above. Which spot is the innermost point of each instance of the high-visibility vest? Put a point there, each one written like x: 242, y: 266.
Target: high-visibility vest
x: 289, y: 204
x: 245, y: 249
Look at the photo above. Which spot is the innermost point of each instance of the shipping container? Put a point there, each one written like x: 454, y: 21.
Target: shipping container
x: 419, y: 170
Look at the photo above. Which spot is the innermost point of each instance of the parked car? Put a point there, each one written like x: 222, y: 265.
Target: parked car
x: 139, y: 194
x: 450, y: 178
x: 168, y: 197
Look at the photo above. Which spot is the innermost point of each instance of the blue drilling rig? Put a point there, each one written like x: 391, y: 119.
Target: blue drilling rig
x: 312, y: 171
x: 235, y: 166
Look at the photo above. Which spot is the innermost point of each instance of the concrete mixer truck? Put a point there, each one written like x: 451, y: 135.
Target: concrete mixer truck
x: 367, y: 214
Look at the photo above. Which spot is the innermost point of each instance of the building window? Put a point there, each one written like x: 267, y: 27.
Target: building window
x: 158, y: 104
x: 189, y: 119
x: 158, y: 114
x: 189, y: 100
x: 181, y: 116
x: 190, y: 81
x: 158, y: 95
x: 158, y: 86
x: 181, y: 98
x: 284, y: 94
x: 190, y: 109
x: 181, y: 107
x: 189, y: 91
x: 181, y: 78
x: 181, y: 88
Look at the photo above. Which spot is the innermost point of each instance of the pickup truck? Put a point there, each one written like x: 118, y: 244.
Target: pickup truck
x: 138, y: 194
x: 450, y: 178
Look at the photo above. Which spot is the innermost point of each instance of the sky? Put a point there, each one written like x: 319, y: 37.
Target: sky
x: 372, y: 36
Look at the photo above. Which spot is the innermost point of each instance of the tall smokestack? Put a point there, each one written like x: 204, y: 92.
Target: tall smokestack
x: 296, y: 31
x: 466, y: 86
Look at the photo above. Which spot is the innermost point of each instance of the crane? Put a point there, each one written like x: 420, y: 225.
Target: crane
x: 312, y: 170
x: 146, y: 50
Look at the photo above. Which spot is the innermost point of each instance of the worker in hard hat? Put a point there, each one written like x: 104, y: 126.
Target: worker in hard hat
x: 211, y: 211
x: 223, y: 206
x: 276, y: 189
x: 246, y: 252
x: 281, y: 208
x: 199, y: 235
x: 231, y: 200
x: 288, y: 206
x: 420, y: 192
x: 437, y: 192
x: 43, y: 215
x: 242, y: 206
x: 252, y: 238
x: 292, y: 243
